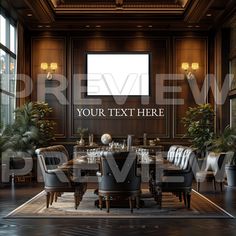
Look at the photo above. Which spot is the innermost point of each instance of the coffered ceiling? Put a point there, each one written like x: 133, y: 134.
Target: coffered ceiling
x: 121, y: 14
x: 111, y: 5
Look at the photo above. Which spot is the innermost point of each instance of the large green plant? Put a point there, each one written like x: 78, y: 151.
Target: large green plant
x: 30, y: 129
x: 199, y: 123
x: 224, y: 142
x: 46, y: 127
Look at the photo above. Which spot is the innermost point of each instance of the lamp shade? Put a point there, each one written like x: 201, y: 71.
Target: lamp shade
x: 53, y: 66
x: 195, y: 66
x: 44, y: 66
x: 185, y: 66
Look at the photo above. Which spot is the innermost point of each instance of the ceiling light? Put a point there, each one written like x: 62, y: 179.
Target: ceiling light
x: 150, y: 26
x: 48, y: 26
x: 139, y: 26
x: 98, y: 26
x: 29, y: 14
x: 87, y: 26
x: 190, y: 26
x: 209, y: 14
x: 197, y: 26
x: 40, y: 26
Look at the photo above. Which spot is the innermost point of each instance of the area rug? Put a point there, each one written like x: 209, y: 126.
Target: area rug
x: 201, y: 207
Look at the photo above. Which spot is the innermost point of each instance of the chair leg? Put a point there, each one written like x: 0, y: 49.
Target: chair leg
x: 158, y: 196
x: 137, y: 201
x: 185, y: 198
x: 52, y: 197
x: 214, y: 184
x: 160, y: 200
x: 77, y: 198
x: 100, y: 202
x: 180, y: 196
x: 131, y: 204
x: 221, y: 186
x: 56, y: 196
x: 198, y: 186
x: 108, y: 203
x: 188, y: 200
x: 47, y: 199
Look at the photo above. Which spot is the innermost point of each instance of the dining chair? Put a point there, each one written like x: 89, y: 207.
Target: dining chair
x: 118, y: 179
x: 58, y: 180
x: 214, y: 170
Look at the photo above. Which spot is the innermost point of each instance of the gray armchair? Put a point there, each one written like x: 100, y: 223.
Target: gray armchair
x: 176, y: 177
x: 56, y: 180
x: 215, y: 169
x: 118, y: 179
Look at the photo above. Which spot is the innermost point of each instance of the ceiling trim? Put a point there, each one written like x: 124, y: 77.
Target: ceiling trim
x: 197, y: 10
x: 41, y: 10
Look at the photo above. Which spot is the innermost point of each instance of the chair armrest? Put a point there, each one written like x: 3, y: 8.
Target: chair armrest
x: 56, y: 171
x: 176, y: 172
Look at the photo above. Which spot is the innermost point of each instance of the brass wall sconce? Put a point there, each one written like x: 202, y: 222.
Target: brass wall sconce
x: 12, y: 67
x: 49, y: 68
x: 189, y: 70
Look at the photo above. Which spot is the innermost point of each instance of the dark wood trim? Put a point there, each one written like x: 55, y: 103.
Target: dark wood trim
x: 232, y: 93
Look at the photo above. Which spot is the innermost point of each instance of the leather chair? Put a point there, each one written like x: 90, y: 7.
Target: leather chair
x: 118, y: 179
x: 57, y: 180
x: 176, y: 178
x: 215, y: 169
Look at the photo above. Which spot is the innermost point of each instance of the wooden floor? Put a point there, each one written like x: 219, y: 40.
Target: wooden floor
x: 14, y: 195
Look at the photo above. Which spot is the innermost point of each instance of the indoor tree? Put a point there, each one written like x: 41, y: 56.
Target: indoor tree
x: 30, y: 129
x: 199, y: 123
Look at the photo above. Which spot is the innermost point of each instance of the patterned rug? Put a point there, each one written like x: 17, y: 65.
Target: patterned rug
x: 201, y: 207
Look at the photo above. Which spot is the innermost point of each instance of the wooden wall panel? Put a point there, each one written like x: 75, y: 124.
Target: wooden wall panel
x: 50, y: 49
x: 121, y: 126
x: 167, y: 54
x: 188, y: 50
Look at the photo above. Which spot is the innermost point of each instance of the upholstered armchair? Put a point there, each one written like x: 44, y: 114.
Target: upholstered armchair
x: 214, y: 170
x: 117, y: 179
x: 176, y: 177
x: 57, y: 180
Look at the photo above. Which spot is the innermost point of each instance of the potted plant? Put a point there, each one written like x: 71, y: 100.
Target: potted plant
x: 81, y: 132
x: 2, y: 143
x: 30, y: 129
x: 199, y: 123
x: 226, y: 142
x: 230, y: 170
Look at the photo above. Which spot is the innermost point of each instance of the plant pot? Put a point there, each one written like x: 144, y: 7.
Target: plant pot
x: 231, y: 175
x: 3, y: 171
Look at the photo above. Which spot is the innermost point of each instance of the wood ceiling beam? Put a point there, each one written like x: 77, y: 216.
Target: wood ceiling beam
x: 41, y: 10
x: 182, y: 2
x: 57, y: 3
x: 197, y: 10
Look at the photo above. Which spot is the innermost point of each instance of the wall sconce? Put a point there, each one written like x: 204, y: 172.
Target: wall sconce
x: 12, y: 67
x: 51, y: 68
x: 2, y: 65
x: 189, y: 74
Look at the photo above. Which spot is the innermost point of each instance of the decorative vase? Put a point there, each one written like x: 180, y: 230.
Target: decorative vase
x: 81, y: 142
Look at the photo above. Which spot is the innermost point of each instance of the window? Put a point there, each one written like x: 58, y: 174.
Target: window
x: 233, y: 72
x: 233, y: 113
x: 233, y: 98
x: 7, y: 69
